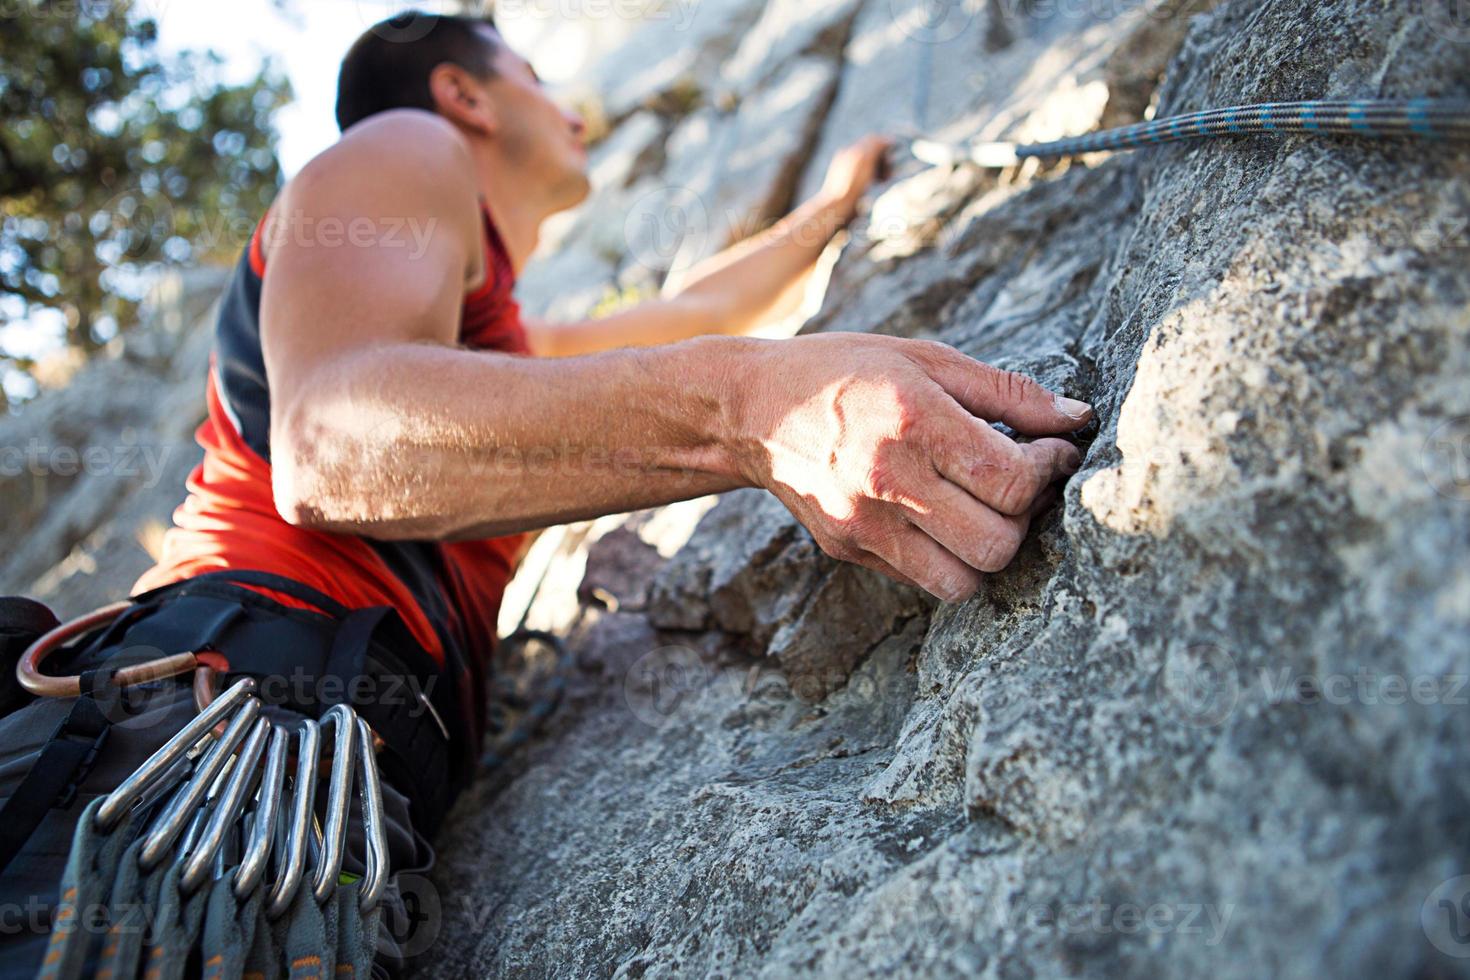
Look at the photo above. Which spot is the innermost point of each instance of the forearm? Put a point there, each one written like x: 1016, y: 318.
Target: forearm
x: 731, y: 293
x: 422, y: 441
x: 747, y: 279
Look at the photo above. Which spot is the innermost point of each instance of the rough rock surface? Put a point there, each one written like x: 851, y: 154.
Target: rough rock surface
x: 1172, y: 738
x: 1211, y: 722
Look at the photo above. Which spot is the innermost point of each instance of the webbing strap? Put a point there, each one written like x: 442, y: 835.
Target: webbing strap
x: 64, y: 762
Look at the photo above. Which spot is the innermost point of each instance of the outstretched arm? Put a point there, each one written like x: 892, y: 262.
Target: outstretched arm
x: 741, y: 288
x: 382, y: 426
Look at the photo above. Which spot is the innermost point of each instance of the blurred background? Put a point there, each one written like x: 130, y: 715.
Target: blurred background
x: 142, y: 135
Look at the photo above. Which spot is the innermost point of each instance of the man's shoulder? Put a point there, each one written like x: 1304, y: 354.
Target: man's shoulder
x: 408, y: 131
x: 403, y: 165
x: 406, y: 149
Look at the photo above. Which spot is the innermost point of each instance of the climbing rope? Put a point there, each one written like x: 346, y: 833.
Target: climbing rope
x: 1433, y: 119
x: 515, y: 714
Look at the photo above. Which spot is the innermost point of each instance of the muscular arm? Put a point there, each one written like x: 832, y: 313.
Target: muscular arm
x: 381, y: 426
x: 746, y: 285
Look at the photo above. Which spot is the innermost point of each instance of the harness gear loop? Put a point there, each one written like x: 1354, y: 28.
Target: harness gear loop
x: 28, y: 670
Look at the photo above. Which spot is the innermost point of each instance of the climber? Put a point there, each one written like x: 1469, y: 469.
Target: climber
x: 384, y: 427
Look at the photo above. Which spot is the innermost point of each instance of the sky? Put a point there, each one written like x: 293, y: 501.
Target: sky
x: 307, y: 40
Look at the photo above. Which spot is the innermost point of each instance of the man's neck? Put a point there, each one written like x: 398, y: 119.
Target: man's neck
x: 519, y: 226
x: 517, y: 216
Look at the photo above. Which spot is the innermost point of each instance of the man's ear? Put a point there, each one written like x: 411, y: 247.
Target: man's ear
x: 461, y: 97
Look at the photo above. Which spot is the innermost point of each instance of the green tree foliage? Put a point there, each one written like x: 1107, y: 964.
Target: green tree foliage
x: 114, y: 159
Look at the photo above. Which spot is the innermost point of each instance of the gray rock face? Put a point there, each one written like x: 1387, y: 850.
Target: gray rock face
x: 1211, y: 721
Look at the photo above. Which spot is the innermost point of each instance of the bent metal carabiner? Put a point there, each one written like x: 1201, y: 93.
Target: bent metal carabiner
x: 268, y: 803
x: 164, y: 762
x: 199, y: 861
x: 303, y: 798
x: 334, y: 832
x: 375, y: 862
x: 166, y: 829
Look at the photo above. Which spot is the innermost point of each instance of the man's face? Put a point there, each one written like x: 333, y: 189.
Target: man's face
x: 541, y: 139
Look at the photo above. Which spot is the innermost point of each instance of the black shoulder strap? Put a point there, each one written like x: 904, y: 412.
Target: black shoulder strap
x: 65, y: 760
x: 265, y: 580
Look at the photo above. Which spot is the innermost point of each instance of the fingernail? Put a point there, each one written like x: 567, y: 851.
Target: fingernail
x: 1071, y: 407
x: 1072, y: 464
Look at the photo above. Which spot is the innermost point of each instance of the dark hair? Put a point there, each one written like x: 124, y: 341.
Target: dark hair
x: 389, y: 66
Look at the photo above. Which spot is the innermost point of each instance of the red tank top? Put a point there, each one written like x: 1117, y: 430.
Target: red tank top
x: 447, y: 593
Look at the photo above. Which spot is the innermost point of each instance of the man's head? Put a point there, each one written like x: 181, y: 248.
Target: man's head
x: 462, y: 69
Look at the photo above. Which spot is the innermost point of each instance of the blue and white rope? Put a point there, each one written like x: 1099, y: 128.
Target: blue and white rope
x: 1433, y: 119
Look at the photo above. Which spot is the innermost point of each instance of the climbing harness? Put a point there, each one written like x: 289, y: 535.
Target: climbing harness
x: 1432, y: 119
x: 221, y: 839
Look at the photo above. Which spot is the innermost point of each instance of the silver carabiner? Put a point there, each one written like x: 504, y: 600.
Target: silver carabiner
x: 199, y: 860
x: 375, y: 865
x: 166, y: 829
x: 334, y: 832
x: 163, y: 763
x: 268, y: 801
x: 303, y: 798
